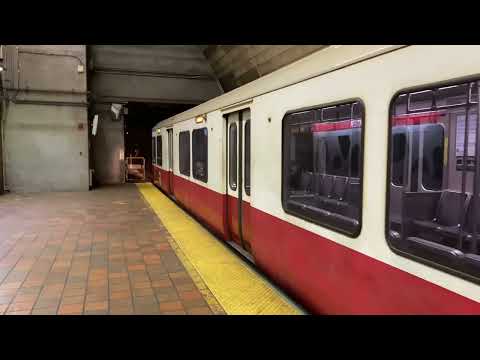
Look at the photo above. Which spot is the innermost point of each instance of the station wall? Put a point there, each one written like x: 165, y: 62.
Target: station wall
x: 46, y: 148
x: 44, y: 118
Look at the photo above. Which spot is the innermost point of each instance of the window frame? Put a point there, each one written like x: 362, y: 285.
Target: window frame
x: 439, y: 125
x: 154, y: 149
x: 284, y: 168
x: 232, y: 170
x: 247, y: 188
x: 159, y: 136
x: 187, y: 132
x: 391, y: 112
x: 204, y: 180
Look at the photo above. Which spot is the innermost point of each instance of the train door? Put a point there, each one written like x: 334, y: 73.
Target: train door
x: 170, y: 160
x: 238, y: 178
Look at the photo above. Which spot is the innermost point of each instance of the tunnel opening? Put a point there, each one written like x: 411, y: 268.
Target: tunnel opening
x: 139, y: 119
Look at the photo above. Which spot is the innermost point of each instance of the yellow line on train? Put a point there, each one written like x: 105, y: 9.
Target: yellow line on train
x: 236, y: 287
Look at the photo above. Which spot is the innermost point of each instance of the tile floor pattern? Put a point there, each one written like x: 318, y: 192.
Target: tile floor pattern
x: 97, y: 252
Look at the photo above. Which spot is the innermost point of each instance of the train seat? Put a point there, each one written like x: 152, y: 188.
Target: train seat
x: 332, y: 218
x: 471, y: 222
x: 337, y: 191
x: 325, y: 186
x: 339, y: 188
x: 304, y: 185
x: 353, y: 198
x: 338, y: 194
x: 435, y: 250
x: 471, y: 262
x: 306, y: 181
x: 335, y: 201
x: 317, y: 182
x: 449, y: 216
x: 345, y: 222
x: 395, y: 215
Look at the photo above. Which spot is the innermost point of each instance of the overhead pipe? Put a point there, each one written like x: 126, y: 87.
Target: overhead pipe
x: 74, y: 92
x: 125, y: 99
x: 44, y: 102
x: 47, y: 53
x: 117, y: 71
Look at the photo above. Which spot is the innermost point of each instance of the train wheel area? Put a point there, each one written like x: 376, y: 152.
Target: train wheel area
x: 216, y: 270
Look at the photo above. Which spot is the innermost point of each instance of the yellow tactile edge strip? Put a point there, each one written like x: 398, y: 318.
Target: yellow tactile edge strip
x: 197, y: 279
x: 236, y: 287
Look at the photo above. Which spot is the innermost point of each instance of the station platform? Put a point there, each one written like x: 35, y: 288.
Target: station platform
x: 125, y: 249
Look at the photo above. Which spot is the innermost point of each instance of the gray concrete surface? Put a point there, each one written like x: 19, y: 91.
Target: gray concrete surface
x: 45, y: 150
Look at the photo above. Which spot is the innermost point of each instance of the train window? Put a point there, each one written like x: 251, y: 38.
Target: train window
x: 452, y: 95
x: 435, y: 214
x: 232, y: 161
x: 400, y: 105
x: 328, y: 113
x: 247, y: 157
x: 473, y: 96
x: 200, y: 154
x: 344, y: 112
x: 399, y: 158
x: 153, y: 150
x: 465, y: 159
x: 184, y: 152
x: 322, y: 166
x: 421, y: 100
x: 432, y: 156
x: 159, y: 150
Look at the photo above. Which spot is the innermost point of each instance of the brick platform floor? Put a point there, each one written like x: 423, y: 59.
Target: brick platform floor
x: 97, y: 252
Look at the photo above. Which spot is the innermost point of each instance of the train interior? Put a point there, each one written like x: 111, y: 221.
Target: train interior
x: 324, y: 164
x: 434, y: 207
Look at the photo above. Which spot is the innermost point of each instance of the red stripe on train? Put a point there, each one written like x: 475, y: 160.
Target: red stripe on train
x: 333, y: 279
x: 335, y: 126
x: 431, y: 117
x: 326, y: 277
x: 206, y: 204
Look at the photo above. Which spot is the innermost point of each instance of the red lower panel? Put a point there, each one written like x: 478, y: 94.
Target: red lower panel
x: 165, y: 180
x: 247, y: 225
x: 232, y: 219
x: 332, y: 279
x: 156, y: 175
x: 206, y: 204
x: 326, y: 277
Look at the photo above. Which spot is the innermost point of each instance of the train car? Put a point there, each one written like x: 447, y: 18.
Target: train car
x: 349, y: 177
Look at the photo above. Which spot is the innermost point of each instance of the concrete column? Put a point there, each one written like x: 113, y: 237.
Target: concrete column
x: 2, y: 111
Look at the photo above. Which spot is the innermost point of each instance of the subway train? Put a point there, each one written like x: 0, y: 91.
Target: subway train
x: 350, y: 177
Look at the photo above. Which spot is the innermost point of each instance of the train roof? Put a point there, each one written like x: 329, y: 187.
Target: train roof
x: 320, y: 62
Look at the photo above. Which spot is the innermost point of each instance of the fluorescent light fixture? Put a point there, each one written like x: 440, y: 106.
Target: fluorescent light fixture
x: 2, y: 68
x: 95, y: 125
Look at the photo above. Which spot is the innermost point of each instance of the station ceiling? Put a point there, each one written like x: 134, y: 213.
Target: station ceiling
x: 183, y: 73
x: 236, y: 65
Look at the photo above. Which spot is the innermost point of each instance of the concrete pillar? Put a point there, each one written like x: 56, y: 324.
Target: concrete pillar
x: 2, y: 111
